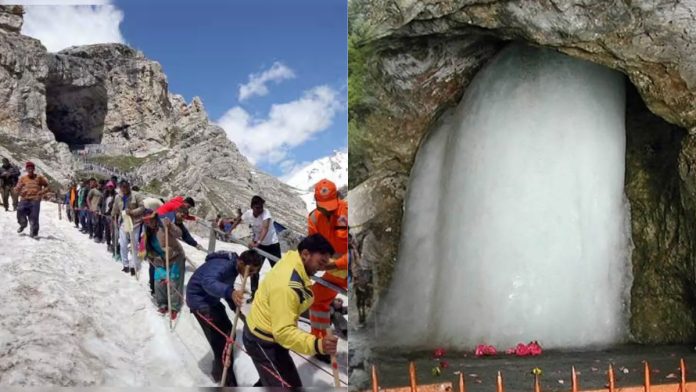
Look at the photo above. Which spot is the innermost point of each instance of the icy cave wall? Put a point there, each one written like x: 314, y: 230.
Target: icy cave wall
x: 410, y: 61
x: 515, y: 219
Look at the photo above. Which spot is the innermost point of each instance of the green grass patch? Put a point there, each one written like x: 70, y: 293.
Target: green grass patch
x: 124, y: 163
x: 81, y: 175
x: 154, y: 187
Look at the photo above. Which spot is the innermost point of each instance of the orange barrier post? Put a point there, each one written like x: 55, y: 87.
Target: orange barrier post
x: 682, y: 381
x: 375, y: 383
x: 573, y: 380
x: 612, y: 387
x: 412, y: 376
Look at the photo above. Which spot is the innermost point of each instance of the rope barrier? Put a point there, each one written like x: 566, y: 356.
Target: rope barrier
x: 237, y: 345
x: 229, y: 339
x: 230, y: 342
x: 271, y: 257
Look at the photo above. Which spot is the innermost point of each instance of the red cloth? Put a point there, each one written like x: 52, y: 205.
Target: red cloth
x: 483, y: 350
x: 524, y: 350
x: 172, y: 206
x: 439, y: 353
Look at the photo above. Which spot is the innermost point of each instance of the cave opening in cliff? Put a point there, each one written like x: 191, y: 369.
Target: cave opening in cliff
x: 75, y: 114
x: 529, y: 235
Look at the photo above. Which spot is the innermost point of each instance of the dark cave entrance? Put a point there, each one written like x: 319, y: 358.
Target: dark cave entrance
x: 75, y: 114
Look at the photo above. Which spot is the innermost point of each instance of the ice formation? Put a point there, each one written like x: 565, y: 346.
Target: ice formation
x: 516, y: 226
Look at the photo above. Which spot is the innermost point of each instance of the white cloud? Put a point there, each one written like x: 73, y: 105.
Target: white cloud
x: 62, y: 26
x: 288, y: 125
x: 55, y: 2
x: 257, y: 82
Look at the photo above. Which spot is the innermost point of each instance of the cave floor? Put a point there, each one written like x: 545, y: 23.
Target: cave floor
x: 480, y: 373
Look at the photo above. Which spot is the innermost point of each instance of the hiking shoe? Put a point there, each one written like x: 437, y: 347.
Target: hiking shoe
x: 326, y: 358
x: 125, y: 269
x: 132, y: 271
x: 21, y: 229
x: 174, y: 314
x: 162, y: 310
x: 32, y: 235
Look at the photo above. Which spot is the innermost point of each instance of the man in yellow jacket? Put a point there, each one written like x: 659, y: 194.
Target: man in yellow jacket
x: 271, y: 327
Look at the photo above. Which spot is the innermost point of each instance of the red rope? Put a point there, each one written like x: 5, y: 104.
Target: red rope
x: 229, y: 341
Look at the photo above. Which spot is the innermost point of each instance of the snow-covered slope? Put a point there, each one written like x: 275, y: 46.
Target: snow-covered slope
x: 333, y: 167
x: 70, y: 317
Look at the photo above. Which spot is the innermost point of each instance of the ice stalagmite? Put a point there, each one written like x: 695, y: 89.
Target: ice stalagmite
x: 516, y: 225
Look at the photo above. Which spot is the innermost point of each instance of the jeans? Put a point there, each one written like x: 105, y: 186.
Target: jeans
x: 7, y: 191
x: 218, y: 317
x: 29, y: 210
x: 273, y: 249
x: 94, y: 224
x: 124, y: 238
x: 177, y: 285
x: 106, y: 229
x: 84, y: 219
x: 75, y: 216
x: 269, y: 356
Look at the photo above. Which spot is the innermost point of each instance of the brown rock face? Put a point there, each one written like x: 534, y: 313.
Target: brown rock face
x: 113, y: 96
x: 11, y: 18
x: 417, y: 60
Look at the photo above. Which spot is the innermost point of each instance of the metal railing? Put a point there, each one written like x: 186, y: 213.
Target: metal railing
x: 107, y: 170
x: 681, y: 386
x: 212, y: 240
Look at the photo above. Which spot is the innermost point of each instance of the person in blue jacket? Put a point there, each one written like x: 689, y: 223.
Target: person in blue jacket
x: 212, y: 281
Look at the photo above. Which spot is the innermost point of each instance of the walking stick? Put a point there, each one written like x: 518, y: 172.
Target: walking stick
x: 334, y: 363
x: 166, y: 257
x: 233, y: 332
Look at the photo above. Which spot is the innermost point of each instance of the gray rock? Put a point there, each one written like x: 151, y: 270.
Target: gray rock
x: 112, y: 96
x: 11, y: 18
x: 416, y: 59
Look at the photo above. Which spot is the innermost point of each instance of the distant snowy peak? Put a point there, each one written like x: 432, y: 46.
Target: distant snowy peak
x: 334, y: 167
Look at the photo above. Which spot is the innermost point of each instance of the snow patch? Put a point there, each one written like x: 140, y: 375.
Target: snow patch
x: 70, y: 317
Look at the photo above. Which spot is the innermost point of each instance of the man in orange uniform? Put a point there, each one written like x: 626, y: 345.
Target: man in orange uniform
x: 330, y: 219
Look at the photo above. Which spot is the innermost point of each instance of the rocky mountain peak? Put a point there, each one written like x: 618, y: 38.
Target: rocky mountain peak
x: 11, y: 18
x: 110, y: 51
x: 113, y: 103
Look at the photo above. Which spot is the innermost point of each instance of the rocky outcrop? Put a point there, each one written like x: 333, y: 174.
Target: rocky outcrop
x: 204, y: 162
x: 23, y: 72
x: 112, y: 95
x: 107, y: 93
x: 648, y: 41
x: 416, y: 60
x: 11, y: 18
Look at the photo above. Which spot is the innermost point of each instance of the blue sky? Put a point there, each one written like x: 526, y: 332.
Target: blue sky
x: 210, y: 48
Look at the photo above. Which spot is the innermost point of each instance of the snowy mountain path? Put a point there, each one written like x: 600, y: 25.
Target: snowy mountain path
x: 70, y: 317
